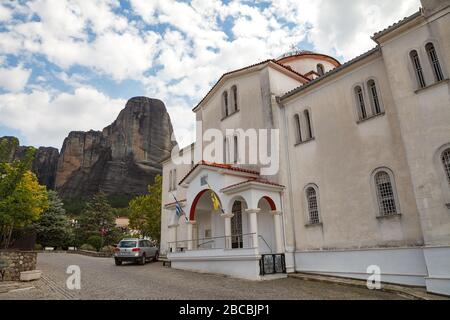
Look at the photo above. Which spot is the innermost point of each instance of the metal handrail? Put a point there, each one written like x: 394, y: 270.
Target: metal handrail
x: 202, y: 244
x: 213, y: 238
x: 262, y: 238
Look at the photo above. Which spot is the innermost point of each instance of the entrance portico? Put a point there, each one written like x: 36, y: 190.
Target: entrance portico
x: 235, y: 239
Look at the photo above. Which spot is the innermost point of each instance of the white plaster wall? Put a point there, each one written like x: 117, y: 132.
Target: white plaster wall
x: 424, y: 119
x: 400, y: 265
x: 168, y: 215
x: 243, y: 263
x: 340, y: 162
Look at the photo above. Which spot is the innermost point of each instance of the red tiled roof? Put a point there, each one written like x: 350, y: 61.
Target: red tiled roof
x: 262, y: 181
x: 220, y: 166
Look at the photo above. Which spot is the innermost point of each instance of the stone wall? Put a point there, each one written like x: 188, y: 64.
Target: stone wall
x: 18, y: 261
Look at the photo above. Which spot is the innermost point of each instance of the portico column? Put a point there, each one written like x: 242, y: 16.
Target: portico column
x: 227, y: 217
x: 173, y: 243
x: 253, y: 219
x: 278, y: 232
x: 190, y: 234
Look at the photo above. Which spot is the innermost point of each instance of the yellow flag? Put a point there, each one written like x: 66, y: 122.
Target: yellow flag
x: 215, y: 200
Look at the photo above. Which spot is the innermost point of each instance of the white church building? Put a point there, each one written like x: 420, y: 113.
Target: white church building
x: 357, y: 172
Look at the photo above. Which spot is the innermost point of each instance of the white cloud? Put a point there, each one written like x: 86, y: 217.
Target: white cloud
x: 14, y: 79
x: 5, y: 13
x: 187, y: 40
x: 46, y: 119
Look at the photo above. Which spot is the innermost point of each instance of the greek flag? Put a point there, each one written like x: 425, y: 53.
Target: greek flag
x: 178, y: 209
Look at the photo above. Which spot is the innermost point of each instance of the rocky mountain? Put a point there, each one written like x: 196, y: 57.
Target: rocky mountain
x: 44, y: 164
x: 123, y: 159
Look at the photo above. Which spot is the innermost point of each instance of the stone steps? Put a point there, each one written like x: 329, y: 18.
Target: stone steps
x: 410, y: 292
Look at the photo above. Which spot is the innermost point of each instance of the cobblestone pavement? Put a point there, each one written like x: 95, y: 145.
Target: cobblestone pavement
x: 101, y: 279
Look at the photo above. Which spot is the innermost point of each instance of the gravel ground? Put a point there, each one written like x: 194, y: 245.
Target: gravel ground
x: 101, y: 279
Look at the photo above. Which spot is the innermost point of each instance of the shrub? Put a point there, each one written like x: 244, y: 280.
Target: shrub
x: 87, y: 247
x: 95, y: 241
x: 38, y: 247
x: 107, y: 249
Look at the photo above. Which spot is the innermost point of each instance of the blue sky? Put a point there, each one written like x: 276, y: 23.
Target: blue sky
x: 72, y: 64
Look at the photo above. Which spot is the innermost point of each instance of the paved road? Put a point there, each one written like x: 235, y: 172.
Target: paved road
x: 101, y: 279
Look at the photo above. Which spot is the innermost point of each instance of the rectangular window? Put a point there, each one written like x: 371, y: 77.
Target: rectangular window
x: 204, y: 180
x: 236, y: 150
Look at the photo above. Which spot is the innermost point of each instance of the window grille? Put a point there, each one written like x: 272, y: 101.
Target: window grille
x: 385, y: 194
x: 375, y: 99
x: 418, y: 68
x: 446, y: 163
x: 313, y: 208
x: 361, y: 103
x: 439, y: 76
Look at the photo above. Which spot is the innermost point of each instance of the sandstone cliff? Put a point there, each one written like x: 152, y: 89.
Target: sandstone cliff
x: 123, y: 159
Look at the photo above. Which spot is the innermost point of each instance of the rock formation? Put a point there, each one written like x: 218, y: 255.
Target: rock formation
x: 44, y: 164
x: 123, y: 159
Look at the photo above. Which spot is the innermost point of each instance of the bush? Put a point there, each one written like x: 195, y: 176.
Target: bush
x: 95, y: 241
x: 107, y: 249
x: 38, y: 247
x: 87, y: 247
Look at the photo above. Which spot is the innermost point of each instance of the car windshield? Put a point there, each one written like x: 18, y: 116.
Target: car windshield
x: 127, y: 244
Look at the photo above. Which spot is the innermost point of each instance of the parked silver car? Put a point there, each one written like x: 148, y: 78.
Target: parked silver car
x: 135, y: 250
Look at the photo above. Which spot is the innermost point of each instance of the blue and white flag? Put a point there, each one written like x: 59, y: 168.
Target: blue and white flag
x: 178, y: 209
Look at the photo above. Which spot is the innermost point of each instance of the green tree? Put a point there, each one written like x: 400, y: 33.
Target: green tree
x: 53, y: 227
x: 145, y: 211
x: 7, y: 145
x: 22, y: 205
x: 97, y: 219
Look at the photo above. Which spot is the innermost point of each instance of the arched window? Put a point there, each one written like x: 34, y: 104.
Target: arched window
x: 361, y: 104
x: 308, y: 125
x: 235, y: 98
x: 418, y: 68
x: 446, y: 162
x: 385, y: 194
x: 434, y: 60
x: 374, y: 97
x: 226, y: 111
x: 298, y: 128
x: 313, y: 205
x: 320, y: 69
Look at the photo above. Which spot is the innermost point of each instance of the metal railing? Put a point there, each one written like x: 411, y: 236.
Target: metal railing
x: 241, y: 241
x: 264, y: 240
x: 272, y: 264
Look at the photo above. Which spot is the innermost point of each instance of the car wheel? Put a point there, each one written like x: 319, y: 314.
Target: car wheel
x: 118, y: 262
x: 155, y: 258
x: 143, y: 260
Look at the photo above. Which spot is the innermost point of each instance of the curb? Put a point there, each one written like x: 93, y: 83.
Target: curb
x: 410, y: 292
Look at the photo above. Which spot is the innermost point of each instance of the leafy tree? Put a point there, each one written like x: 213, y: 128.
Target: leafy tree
x: 53, y: 227
x: 12, y: 173
x: 21, y: 205
x: 7, y: 145
x: 97, y: 219
x: 145, y: 211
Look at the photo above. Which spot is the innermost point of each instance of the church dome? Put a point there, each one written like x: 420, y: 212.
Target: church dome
x: 294, y: 52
